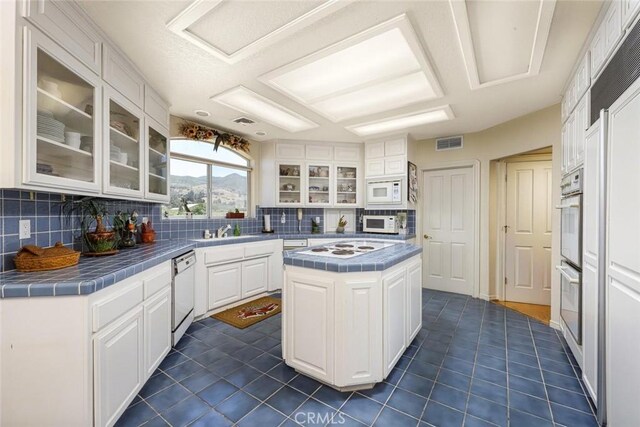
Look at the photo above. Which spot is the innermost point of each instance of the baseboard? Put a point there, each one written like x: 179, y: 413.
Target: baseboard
x: 556, y: 325
x: 487, y: 297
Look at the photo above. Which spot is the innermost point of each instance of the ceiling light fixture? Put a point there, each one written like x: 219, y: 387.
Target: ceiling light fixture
x: 202, y: 113
x: 261, y: 133
x: 246, y: 101
x: 402, y: 122
x: 379, y: 69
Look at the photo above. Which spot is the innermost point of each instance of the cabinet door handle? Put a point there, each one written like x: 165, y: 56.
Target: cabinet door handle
x: 570, y: 279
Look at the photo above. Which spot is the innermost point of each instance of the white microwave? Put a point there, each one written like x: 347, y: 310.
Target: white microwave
x: 384, y: 192
x: 380, y: 224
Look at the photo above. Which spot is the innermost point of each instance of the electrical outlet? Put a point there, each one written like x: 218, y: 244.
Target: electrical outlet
x: 25, y: 228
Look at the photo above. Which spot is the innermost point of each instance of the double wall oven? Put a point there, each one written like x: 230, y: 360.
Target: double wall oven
x: 571, y: 250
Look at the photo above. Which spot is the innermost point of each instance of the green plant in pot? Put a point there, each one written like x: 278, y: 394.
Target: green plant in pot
x: 342, y: 223
x: 92, y: 214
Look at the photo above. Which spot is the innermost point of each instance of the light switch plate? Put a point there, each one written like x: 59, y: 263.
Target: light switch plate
x: 25, y: 228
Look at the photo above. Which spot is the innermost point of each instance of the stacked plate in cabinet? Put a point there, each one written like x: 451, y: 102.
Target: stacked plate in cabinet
x: 49, y: 127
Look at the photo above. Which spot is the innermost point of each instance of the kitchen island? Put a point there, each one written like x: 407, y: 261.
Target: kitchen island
x: 350, y: 310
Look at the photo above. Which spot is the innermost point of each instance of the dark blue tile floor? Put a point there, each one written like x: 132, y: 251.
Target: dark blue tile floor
x: 473, y: 363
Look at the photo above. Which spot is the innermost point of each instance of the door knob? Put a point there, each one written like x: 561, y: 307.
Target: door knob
x: 426, y: 236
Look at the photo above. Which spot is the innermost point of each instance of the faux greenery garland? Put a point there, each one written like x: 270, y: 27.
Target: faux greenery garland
x: 195, y: 131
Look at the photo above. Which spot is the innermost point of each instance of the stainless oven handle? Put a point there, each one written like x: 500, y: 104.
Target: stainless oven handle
x: 561, y: 269
x: 572, y: 205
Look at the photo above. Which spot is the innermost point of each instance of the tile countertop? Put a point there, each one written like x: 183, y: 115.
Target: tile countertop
x: 379, y: 260
x: 94, y: 274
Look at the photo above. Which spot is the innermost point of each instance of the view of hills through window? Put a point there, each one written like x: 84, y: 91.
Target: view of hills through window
x: 190, y: 182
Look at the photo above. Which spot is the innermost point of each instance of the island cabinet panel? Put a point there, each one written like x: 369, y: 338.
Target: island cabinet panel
x: 414, y: 300
x: 310, y: 325
x: 359, y: 339
x: 118, y: 371
x: 255, y: 277
x: 225, y: 284
x: 394, y: 311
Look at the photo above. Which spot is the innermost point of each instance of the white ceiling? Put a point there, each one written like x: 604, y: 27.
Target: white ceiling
x: 239, y: 41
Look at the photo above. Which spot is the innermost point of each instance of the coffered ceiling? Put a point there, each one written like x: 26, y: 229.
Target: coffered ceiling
x: 345, y: 71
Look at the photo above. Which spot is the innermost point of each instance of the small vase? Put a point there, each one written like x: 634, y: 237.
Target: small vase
x: 340, y: 230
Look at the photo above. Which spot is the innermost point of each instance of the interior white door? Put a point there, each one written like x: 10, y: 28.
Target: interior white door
x: 449, y: 235
x: 528, y: 237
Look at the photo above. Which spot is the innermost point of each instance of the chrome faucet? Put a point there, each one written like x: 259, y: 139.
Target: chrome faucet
x: 222, y: 231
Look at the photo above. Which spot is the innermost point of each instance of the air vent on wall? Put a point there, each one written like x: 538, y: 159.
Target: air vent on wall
x: 449, y: 143
x: 243, y: 121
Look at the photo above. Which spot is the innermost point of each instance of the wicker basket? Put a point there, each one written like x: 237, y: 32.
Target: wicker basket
x: 35, y: 258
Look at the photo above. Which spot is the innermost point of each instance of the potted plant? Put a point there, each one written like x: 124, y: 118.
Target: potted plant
x: 235, y: 215
x: 91, y: 212
x: 342, y: 223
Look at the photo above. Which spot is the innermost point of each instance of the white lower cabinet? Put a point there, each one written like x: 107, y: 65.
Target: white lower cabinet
x: 224, y: 284
x: 414, y: 300
x: 255, y: 277
x: 394, y: 315
x: 350, y: 329
x: 117, y: 369
x: 157, y: 330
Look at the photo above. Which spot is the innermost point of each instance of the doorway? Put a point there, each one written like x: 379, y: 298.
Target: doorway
x: 527, y: 231
x: 449, y: 230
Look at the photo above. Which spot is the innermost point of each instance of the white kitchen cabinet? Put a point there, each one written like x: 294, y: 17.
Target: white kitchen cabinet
x: 573, y: 136
x: 629, y: 11
x: 319, y: 184
x: 118, y: 367
x: 395, y: 147
x: 290, y: 182
x: 374, y: 168
x: 597, y: 49
x: 346, y: 154
x: 360, y: 337
x: 255, y: 277
x: 225, y: 284
x: 156, y: 107
x: 118, y: 72
x: 123, y: 151
x: 156, y: 161
x: 394, y: 296
x: 157, y: 330
x: 623, y: 261
x: 65, y: 24
x: 590, y: 260
x: 396, y: 165
x: 347, y: 184
x: 313, y: 299
x: 290, y: 151
x: 62, y: 118
x: 414, y: 300
x: 606, y: 37
x: 374, y: 150
x: 319, y: 152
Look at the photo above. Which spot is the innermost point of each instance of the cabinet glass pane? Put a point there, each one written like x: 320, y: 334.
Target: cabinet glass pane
x: 124, y: 148
x: 65, y: 122
x: 319, y: 187
x: 346, y: 185
x: 157, y: 162
x: 289, y: 184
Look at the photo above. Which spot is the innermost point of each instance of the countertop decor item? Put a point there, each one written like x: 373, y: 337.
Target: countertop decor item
x: 148, y: 234
x: 315, y: 226
x: 199, y: 132
x: 92, y: 213
x: 35, y: 258
x: 235, y: 215
x: 342, y: 223
x: 250, y: 313
x: 236, y: 230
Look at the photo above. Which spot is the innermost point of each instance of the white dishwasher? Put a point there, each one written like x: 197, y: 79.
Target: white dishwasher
x: 183, y: 290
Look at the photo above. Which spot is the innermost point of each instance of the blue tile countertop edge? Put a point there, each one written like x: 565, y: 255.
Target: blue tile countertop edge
x: 94, y: 274
x: 379, y: 260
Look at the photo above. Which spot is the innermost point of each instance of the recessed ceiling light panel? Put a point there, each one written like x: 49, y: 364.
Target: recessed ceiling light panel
x: 246, y: 101
x: 403, y: 122
x: 367, y: 73
x: 202, y: 113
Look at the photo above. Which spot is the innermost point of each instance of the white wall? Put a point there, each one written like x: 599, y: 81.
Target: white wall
x: 531, y: 132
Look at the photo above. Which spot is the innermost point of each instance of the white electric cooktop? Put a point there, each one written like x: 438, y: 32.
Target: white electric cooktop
x: 348, y: 249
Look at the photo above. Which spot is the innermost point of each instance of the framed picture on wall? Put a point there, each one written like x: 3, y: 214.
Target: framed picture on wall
x: 412, y: 183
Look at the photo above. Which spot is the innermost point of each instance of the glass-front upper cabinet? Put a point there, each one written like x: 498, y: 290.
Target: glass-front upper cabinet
x: 318, y: 184
x: 290, y: 184
x: 157, y: 161
x: 346, y: 185
x: 62, y: 117
x: 123, y: 145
